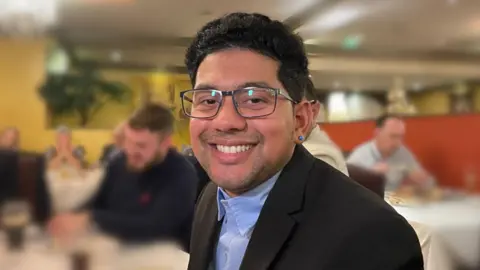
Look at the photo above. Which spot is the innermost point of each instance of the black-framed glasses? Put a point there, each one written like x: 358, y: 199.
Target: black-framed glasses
x: 250, y: 102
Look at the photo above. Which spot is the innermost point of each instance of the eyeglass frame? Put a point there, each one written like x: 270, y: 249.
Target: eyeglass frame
x: 277, y: 91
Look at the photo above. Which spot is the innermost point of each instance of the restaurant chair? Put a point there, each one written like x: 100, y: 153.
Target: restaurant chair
x: 367, y: 178
x: 8, y: 176
x: 32, y: 184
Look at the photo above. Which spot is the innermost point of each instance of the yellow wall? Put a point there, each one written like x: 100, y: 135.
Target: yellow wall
x: 476, y: 99
x: 21, y: 72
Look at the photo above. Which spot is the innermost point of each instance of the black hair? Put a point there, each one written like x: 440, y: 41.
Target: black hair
x: 310, y: 91
x: 258, y: 33
x: 380, y: 122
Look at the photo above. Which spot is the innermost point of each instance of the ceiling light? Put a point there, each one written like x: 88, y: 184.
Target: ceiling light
x: 116, y: 56
x: 337, y: 18
x: 417, y: 86
x: 27, y: 17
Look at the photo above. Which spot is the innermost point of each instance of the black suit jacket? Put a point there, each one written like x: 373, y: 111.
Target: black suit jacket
x: 315, y: 218
x: 202, y: 176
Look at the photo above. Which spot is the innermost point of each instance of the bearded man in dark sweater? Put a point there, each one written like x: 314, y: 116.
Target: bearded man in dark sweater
x: 149, y: 191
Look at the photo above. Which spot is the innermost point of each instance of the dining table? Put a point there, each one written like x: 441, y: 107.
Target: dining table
x: 104, y: 253
x: 456, y: 221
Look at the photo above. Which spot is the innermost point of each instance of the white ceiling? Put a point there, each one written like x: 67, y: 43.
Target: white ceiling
x: 419, y: 27
x: 181, y: 18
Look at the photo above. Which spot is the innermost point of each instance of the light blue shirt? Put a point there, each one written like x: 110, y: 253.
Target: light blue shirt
x: 239, y: 217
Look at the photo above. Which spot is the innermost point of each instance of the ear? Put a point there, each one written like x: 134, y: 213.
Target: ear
x: 167, y: 141
x: 303, y: 119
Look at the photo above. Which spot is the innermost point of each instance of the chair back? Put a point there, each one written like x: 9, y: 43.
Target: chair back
x: 9, y: 187
x: 32, y: 185
x: 367, y: 178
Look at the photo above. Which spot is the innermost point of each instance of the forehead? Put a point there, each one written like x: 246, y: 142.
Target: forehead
x: 236, y: 67
x: 394, y: 125
x: 138, y: 134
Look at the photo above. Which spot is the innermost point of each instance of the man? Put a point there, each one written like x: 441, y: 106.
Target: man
x: 270, y: 204
x: 114, y: 149
x: 64, y: 153
x: 387, y: 155
x: 10, y: 139
x: 317, y: 141
x: 148, y: 192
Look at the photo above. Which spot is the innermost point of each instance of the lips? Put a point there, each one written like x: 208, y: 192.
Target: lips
x: 232, y: 153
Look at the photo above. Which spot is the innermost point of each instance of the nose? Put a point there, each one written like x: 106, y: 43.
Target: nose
x: 227, y: 119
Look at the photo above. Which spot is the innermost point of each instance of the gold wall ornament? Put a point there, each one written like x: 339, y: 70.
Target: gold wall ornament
x: 461, y: 100
x: 398, y: 102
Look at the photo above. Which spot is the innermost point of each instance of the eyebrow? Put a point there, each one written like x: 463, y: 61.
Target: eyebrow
x: 243, y: 85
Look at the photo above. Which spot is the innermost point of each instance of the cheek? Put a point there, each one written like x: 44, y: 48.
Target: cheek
x: 277, y: 135
x: 197, y: 126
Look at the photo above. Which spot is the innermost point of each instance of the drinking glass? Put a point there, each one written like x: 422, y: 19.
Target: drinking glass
x: 15, y: 219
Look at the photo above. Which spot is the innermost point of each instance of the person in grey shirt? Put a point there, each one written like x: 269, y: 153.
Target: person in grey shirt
x: 63, y: 152
x: 386, y: 154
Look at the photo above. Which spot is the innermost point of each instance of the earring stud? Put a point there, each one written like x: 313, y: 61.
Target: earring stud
x: 300, y: 138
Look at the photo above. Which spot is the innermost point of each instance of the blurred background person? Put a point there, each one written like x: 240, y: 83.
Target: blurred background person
x: 386, y: 154
x: 64, y: 152
x: 112, y: 150
x: 317, y: 141
x: 10, y: 138
x: 148, y: 193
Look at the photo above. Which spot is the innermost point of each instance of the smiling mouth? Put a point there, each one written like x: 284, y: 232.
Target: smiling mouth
x: 232, y: 149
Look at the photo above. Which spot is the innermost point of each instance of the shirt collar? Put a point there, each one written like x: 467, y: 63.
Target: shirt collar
x: 246, y: 207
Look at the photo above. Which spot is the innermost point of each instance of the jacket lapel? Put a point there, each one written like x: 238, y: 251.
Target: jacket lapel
x: 277, y: 220
x: 205, y: 230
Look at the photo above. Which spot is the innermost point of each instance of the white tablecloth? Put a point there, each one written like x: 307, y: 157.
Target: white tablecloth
x: 456, y: 222
x: 69, y: 188
x: 106, y: 254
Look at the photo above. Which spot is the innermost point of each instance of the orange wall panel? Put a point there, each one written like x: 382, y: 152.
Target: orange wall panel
x: 447, y: 146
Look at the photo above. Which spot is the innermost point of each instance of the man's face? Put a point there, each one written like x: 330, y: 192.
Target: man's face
x: 238, y: 153
x: 10, y: 138
x: 390, y: 137
x: 143, y: 148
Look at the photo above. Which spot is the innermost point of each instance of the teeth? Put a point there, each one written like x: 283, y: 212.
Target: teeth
x: 233, y: 149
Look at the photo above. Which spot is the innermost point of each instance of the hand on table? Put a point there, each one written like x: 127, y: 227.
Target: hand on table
x: 418, y: 176
x: 381, y: 167
x: 66, y: 226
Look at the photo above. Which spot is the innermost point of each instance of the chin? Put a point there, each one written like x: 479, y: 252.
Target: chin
x: 135, y: 168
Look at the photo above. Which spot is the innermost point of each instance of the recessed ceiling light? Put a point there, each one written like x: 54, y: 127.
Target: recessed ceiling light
x: 417, y: 86
x: 116, y: 56
x: 338, y: 17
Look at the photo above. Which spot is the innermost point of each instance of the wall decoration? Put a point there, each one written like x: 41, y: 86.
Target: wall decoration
x: 461, y: 99
x: 82, y: 93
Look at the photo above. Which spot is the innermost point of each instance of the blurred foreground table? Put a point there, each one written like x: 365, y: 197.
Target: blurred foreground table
x: 456, y: 221
x: 104, y: 254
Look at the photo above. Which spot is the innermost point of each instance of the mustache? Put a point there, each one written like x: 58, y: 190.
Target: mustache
x: 231, y: 135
